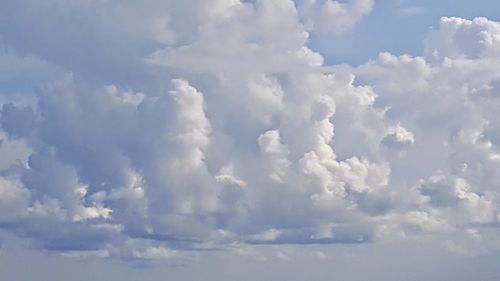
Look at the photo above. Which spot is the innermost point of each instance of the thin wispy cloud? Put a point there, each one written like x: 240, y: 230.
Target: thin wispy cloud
x: 412, y: 11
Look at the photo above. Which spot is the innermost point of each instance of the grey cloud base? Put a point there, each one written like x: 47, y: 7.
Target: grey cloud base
x: 257, y: 142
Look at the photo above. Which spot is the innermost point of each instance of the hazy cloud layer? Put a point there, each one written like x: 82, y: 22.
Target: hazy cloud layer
x: 194, y: 125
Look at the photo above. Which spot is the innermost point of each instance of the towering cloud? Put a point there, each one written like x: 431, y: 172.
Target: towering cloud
x: 210, y: 124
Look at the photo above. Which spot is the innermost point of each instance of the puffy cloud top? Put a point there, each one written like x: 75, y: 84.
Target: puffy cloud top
x: 462, y: 38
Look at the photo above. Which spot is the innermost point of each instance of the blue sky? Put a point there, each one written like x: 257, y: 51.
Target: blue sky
x: 249, y: 140
x: 397, y: 26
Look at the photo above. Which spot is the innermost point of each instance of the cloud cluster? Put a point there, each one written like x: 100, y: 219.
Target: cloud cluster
x: 334, y: 16
x: 209, y: 127
x: 447, y: 100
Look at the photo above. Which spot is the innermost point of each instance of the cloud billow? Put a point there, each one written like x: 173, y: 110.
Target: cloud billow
x: 246, y: 137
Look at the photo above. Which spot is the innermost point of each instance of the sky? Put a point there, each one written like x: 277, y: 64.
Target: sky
x: 249, y: 140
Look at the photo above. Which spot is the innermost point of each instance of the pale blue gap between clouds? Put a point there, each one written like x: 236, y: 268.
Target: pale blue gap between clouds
x: 398, y: 27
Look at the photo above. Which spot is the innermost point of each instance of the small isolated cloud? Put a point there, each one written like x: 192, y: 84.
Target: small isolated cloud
x: 412, y: 11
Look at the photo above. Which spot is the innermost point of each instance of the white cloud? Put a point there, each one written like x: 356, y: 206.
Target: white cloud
x: 154, y: 253
x: 412, y: 11
x: 461, y: 38
x: 14, y: 199
x: 230, y: 132
x: 445, y: 100
x: 334, y: 16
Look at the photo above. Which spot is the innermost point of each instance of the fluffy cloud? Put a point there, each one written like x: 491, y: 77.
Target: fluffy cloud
x: 462, y: 38
x: 231, y: 130
x: 446, y: 100
x: 334, y: 16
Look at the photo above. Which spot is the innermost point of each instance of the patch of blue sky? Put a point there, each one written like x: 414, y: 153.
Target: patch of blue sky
x: 398, y: 27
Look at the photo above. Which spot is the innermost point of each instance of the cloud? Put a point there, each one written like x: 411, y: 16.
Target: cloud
x: 412, y: 11
x: 334, y: 16
x: 230, y: 130
x: 446, y: 105
x: 462, y: 38
x: 18, y: 122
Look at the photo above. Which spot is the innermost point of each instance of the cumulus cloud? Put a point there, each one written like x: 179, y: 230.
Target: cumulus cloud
x: 334, y: 16
x: 232, y: 132
x: 447, y: 107
x: 462, y: 38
